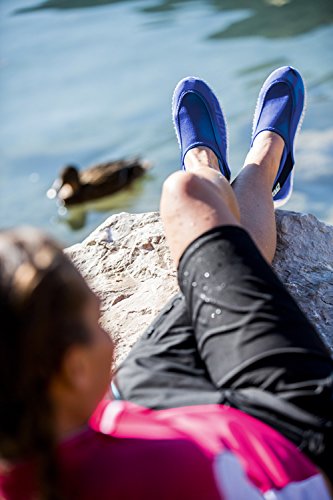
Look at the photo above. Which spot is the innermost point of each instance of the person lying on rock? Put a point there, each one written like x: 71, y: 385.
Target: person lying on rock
x: 227, y: 395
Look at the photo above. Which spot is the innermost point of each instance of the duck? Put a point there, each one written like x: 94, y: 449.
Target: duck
x: 73, y: 186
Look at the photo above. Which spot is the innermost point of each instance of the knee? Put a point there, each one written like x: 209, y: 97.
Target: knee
x: 177, y: 192
x: 207, y: 188
x: 180, y: 184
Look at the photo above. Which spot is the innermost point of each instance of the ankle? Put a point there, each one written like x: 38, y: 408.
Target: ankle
x: 266, y: 152
x: 201, y: 157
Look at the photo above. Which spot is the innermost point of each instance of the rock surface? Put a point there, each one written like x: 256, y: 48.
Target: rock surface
x: 127, y: 263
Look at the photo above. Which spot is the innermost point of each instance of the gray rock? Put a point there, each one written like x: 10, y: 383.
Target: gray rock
x: 127, y: 263
x: 304, y: 262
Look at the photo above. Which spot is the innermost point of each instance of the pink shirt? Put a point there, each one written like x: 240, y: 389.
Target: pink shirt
x: 197, y: 452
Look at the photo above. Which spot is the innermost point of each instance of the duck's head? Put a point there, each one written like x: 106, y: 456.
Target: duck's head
x: 67, y: 184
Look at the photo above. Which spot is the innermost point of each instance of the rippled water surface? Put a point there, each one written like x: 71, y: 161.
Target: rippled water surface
x: 84, y: 81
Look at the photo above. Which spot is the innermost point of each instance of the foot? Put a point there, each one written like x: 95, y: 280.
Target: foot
x: 201, y: 157
x: 199, y: 125
x: 279, y: 109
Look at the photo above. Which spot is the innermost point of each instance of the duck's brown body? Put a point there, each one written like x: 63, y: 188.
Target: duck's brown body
x: 95, y: 182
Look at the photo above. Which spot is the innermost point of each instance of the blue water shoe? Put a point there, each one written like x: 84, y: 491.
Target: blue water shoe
x: 198, y: 120
x: 280, y: 109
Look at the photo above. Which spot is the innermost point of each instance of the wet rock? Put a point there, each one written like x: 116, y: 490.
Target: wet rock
x: 127, y: 263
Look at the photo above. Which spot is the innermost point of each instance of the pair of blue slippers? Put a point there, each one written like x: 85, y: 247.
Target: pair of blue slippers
x: 199, y: 121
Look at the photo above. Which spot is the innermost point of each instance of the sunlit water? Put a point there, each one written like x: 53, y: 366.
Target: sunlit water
x: 84, y: 81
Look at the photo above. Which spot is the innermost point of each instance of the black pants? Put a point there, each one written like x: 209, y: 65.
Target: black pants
x: 235, y: 336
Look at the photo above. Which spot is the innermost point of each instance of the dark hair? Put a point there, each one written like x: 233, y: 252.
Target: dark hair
x: 41, y: 300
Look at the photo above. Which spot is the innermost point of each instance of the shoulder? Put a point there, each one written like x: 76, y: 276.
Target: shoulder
x: 134, y: 455
x: 147, y: 469
x: 158, y: 454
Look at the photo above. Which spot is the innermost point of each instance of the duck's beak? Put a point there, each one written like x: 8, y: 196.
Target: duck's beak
x: 54, y: 189
x: 66, y: 191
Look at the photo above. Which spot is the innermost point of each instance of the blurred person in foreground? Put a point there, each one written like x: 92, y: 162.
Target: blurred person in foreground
x: 228, y: 394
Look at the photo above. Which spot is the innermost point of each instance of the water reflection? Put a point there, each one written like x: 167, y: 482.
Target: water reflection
x: 267, y: 18
x: 262, y: 68
x: 276, y: 18
x: 67, y: 4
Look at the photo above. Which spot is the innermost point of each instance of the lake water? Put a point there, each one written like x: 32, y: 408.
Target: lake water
x: 84, y: 81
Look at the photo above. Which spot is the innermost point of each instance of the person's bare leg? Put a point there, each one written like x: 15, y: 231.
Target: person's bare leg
x: 253, y: 190
x: 195, y: 201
